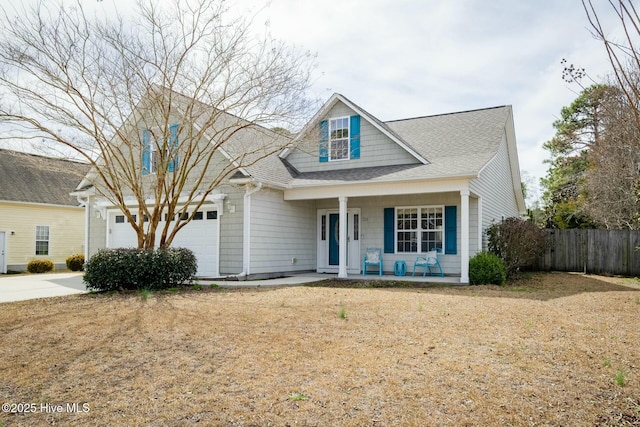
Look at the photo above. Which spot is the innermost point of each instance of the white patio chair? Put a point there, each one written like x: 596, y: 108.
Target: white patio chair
x: 373, y: 257
x: 429, y: 261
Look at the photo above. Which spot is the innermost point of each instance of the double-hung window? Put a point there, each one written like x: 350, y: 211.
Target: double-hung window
x: 153, y: 158
x: 150, y: 155
x: 42, y: 240
x: 419, y: 229
x: 339, y: 139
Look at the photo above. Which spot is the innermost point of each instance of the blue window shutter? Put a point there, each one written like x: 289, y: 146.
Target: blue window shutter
x: 146, y: 152
x: 324, y: 141
x: 355, y: 137
x: 173, y: 147
x: 450, y: 230
x: 389, y: 230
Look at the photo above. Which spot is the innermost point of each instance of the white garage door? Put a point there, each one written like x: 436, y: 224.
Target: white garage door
x: 199, y: 235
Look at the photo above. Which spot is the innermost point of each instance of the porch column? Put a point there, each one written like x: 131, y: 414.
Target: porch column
x: 479, y: 248
x: 464, y: 236
x: 342, y: 268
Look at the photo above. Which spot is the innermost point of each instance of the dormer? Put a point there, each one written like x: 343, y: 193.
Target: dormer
x: 344, y: 136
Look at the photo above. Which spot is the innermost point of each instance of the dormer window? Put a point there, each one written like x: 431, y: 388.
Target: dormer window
x: 150, y: 156
x: 339, y: 138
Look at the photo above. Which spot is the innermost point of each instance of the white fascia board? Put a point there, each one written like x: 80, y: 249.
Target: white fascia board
x: 233, y: 162
x: 132, y: 201
x: 313, y: 122
x: 367, y: 189
x: 88, y: 192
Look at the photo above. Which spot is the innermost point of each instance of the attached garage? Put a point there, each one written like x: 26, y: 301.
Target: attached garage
x: 201, y: 235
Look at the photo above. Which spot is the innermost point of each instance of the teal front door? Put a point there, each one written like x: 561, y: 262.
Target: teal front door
x: 334, y: 239
x: 329, y: 241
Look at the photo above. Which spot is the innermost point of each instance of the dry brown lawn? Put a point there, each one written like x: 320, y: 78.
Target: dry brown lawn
x: 547, y: 351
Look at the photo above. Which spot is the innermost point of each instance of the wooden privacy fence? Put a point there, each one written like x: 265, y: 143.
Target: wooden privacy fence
x: 592, y: 251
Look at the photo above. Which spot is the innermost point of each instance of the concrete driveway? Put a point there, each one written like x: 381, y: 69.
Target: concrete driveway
x: 30, y: 286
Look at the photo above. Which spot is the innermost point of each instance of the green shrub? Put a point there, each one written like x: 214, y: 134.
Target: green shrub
x: 75, y: 262
x: 135, y: 269
x: 40, y: 266
x: 517, y: 242
x: 486, y: 268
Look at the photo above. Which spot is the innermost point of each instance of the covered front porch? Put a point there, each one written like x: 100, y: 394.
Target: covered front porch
x: 443, y: 215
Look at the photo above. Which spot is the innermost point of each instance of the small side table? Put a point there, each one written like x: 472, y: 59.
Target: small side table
x: 400, y: 268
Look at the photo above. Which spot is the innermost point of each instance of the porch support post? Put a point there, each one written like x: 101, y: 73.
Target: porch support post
x: 464, y: 236
x: 479, y: 248
x: 342, y: 268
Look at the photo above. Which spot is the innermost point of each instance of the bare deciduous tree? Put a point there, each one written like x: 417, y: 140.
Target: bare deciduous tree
x: 623, y: 55
x: 613, y: 172
x: 612, y: 179
x: 206, y: 89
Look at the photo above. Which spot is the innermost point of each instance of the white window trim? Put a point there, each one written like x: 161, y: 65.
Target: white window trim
x: 332, y: 119
x: 418, y: 230
x: 153, y: 149
x: 36, y: 240
x: 153, y: 153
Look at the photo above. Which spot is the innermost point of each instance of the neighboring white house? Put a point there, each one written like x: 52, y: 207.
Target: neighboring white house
x: 349, y: 182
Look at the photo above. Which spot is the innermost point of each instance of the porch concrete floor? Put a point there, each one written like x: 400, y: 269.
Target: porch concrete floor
x: 302, y: 278
x: 390, y: 277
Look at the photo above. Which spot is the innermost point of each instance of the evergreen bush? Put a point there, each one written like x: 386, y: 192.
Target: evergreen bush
x: 486, y: 268
x: 75, y: 262
x: 136, y: 269
x: 40, y: 266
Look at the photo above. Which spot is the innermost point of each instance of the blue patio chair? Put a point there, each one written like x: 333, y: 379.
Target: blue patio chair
x: 373, y: 256
x: 429, y: 261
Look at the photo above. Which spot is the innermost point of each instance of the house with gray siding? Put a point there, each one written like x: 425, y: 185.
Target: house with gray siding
x: 345, y: 183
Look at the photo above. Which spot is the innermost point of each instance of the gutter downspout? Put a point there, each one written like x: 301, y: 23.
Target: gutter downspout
x: 246, y: 227
x: 84, y: 201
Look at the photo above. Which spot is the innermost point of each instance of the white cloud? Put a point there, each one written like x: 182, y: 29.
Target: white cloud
x: 405, y: 58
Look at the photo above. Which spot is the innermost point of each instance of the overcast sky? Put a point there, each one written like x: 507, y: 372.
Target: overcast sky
x: 407, y: 58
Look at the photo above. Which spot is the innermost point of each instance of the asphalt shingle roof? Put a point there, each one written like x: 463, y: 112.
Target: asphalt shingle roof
x: 30, y: 178
x: 455, y: 144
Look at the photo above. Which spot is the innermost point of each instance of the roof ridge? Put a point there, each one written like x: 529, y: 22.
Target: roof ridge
x: 448, y: 114
x: 42, y: 156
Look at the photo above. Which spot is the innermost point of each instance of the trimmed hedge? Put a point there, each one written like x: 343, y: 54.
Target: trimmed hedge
x: 75, y: 262
x: 134, y: 269
x: 40, y: 266
x: 486, y: 268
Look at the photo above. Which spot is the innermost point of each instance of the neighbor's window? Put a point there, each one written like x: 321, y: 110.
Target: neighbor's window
x: 42, y: 240
x: 339, y: 139
x: 419, y: 228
